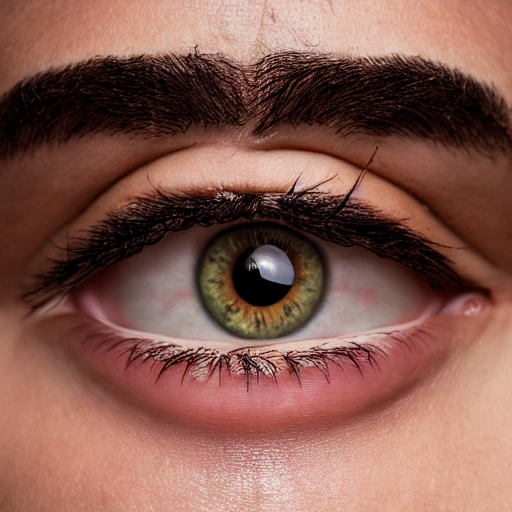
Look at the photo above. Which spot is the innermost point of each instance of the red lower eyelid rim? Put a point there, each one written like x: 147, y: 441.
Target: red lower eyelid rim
x: 100, y: 356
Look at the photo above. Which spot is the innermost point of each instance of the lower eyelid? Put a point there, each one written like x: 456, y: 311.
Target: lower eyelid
x: 365, y: 347
x: 399, y: 360
x: 353, y: 376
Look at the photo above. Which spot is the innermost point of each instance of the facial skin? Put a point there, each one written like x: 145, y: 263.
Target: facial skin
x: 74, y: 440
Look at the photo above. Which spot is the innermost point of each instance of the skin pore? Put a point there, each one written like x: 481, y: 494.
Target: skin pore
x: 75, y: 439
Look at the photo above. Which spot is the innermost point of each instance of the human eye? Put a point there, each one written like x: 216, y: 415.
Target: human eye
x: 126, y: 289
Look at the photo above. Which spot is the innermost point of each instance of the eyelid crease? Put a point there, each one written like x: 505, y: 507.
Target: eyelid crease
x: 147, y: 219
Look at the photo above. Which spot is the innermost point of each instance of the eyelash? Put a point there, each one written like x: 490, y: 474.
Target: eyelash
x: 255, y: 362
x: 332, y: 218
x: 148, y: 219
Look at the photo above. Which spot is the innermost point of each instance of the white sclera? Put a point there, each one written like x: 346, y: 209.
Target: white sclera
x: 156, y: 291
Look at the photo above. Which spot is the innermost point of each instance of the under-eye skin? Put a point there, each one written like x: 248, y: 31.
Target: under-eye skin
x: 261, y: 281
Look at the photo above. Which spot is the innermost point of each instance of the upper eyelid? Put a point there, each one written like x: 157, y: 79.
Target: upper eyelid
x: 147, y: 219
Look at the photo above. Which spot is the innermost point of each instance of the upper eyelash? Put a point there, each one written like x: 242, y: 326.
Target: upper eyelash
x: 146, y: 220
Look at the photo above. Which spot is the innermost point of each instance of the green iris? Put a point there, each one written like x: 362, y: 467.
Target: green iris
x: 261, y: 281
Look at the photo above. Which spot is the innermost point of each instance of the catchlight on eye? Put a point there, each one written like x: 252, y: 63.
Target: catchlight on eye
x: 261, y: 281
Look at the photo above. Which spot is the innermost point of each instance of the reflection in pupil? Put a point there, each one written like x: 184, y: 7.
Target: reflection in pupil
x: 263, y: 276
x: 261, y: 281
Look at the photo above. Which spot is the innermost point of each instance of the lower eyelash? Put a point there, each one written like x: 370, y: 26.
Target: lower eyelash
x: 252, y: 363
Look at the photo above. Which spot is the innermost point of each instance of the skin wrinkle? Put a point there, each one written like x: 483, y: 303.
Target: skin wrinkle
x: 416, y: 98
x: 265, y: 471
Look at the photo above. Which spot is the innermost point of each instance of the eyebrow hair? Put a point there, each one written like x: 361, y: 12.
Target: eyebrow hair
x: 164, y: 95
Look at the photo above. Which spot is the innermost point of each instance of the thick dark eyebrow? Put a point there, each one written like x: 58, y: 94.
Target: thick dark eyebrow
x: 164, y: 95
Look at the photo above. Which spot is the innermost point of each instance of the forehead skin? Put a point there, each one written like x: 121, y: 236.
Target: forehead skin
x: 472, y: 36
x: 468, y: 35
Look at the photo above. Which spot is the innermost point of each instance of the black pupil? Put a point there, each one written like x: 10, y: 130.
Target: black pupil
x: 252, y: 287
